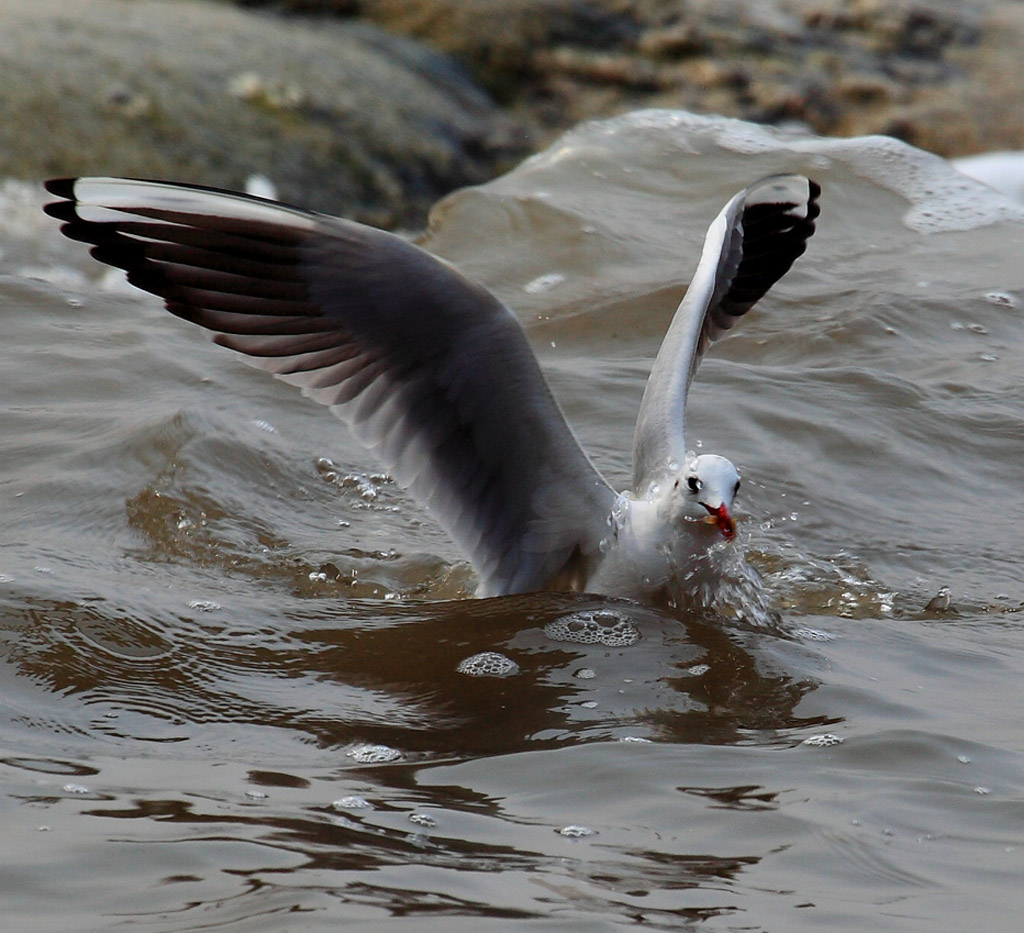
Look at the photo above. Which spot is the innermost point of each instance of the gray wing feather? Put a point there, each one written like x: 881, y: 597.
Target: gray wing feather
x: 749, y: 246
x: 428, y: 369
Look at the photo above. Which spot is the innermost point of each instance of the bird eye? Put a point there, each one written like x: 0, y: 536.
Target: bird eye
x: 694, y: 483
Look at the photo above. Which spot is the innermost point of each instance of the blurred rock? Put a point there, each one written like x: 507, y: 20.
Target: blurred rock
x: 343, y: 117
x: 376, y: 108
x: 941, y: 74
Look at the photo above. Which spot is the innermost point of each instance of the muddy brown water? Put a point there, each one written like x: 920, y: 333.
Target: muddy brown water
x: 231, y: 647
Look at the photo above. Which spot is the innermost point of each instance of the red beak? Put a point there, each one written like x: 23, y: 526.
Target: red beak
x: 723, y: 520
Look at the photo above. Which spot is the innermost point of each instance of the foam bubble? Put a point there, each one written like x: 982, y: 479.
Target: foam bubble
x: 487, y: 664
x: 574, y: 831
x: 600, y: 627
x: 351, y: 802
x: 367, y: 754
x: 825, y: 740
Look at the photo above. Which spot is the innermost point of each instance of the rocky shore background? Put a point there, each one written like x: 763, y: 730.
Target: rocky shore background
x: 375, y: 108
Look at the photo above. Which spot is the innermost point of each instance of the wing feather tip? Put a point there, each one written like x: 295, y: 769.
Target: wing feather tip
x: 61, y: 187
x: 62, y: 210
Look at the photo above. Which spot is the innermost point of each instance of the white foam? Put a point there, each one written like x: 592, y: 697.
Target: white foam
x: 1002, y: 171
x: 373, y: 754
x: 825, y: 740
x: 602, y: 627
x: 575, y: 832
x: 941, y: 198
x: 544, y: 283
x: 487, y: 664
x: 351, y: 802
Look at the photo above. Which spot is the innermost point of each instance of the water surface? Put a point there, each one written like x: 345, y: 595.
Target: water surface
x: 231, y: 646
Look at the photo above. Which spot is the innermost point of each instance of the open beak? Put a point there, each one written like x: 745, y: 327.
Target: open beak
x: 723, y: 520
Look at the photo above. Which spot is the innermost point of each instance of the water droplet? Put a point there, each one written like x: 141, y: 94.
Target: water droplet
x: 940, y: 602
x: 422, y: 819
x: 585, y: 673
x: 1002, y: 299
x: 76, y: 789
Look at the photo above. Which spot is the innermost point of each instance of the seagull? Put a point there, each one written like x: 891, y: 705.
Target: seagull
x: 435, y: 376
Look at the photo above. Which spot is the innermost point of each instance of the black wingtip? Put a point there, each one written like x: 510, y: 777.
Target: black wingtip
x: 775, y: 235
x: 62, y: 187
x: 813, y: 208
x: 62, y: 210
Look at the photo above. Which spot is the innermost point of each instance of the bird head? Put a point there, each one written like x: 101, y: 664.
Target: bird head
x: 704, y: 490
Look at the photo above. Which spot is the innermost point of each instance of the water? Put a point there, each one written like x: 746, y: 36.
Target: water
x: 232, y: 648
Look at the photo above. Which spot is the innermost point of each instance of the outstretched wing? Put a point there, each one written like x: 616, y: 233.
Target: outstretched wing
x: 428, y: 370
x: 750, y: 245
